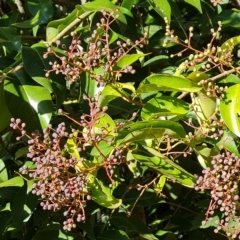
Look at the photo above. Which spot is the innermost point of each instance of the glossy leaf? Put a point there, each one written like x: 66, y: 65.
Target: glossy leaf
x: 104, y: 124
x: 3, y: 172
x: 102, y: 194
x: 43, y: 6
x: 32, y: 104
x: 72, y: 146
x: 113, y: 91
x: 203, y: 105
x: 158, y: 187
x: 160, y: 82
x: 127, y: 60
x: 164, y: 165
x: 13, y: 182
x: 196, y: 4
x: 132, y: 223
x: 163, y: 106
x: 10, y: 38
x: 36, y: 20
x: 150, y: 130
x: 162, y: 7
x: 36, y: 67
x: 230, y: 108
x: 127, y: 4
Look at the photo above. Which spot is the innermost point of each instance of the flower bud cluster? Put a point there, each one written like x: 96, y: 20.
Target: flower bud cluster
x: 211, y: 57
x: 100, y: 53
x: 222, y: 182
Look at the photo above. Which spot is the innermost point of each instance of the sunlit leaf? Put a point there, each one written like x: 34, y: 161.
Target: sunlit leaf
x: 163, y: 106
x: 230, y: 108
x: 13, y: 182
x: 196, y: 4
x: 164, y: 165
x: 160, y: 82
x: 102, y: 194
x: 150, y: 130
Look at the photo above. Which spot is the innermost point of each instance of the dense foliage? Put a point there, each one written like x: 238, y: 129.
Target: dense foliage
x: 119, y: 119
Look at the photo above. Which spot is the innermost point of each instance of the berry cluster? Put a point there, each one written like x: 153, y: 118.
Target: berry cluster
x: 58, y: 184
x: 99, y: 54
x: 222, y: 181
x: 61, y: 176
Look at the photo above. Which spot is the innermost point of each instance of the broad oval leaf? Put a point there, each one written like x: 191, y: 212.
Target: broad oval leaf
x: 161, y: 82
x: 36, y: 67
x: 162, y: 7
x: 203, y: 106
x: 196, y: 4
x: 113, y: 91
x: 3, y: 172
x: 163, y: 106
x: 32, y: 104
x: 13, y: 182
x: 164, y: 165
x: 127, y: 60
x: 44, y: 7
x: 230, y: 108
x: 150, y: 130
x: 102, y: 194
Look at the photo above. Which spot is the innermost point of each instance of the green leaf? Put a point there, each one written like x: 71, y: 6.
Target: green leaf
x: 13, y: 182
x: 127, y: 60
x: 164, y: 165
x: 113, y: 234
x: 160, y: 82
x: 23, y: 205
x: 32, y: 104
x: 127, y: 4
x: 150, y: 130
x: 104, y: 124
x: 132, y: 223
x: 156, y: 60
x: 230, y: 108
x: 113, y: 91
x: 10, y: 38
x: 163, y: 106
x: 29, y: 23
x: 72, y: 146
x: 4, y: 111
x: 3, y: 172
x: 162, y: 7
x: 36, y: 67
x: 229, y: 140
x: 158, y: 187
x: 203, y: 106
x: 45, y: 8
x: 196, y: 4
x: 102, y: 194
